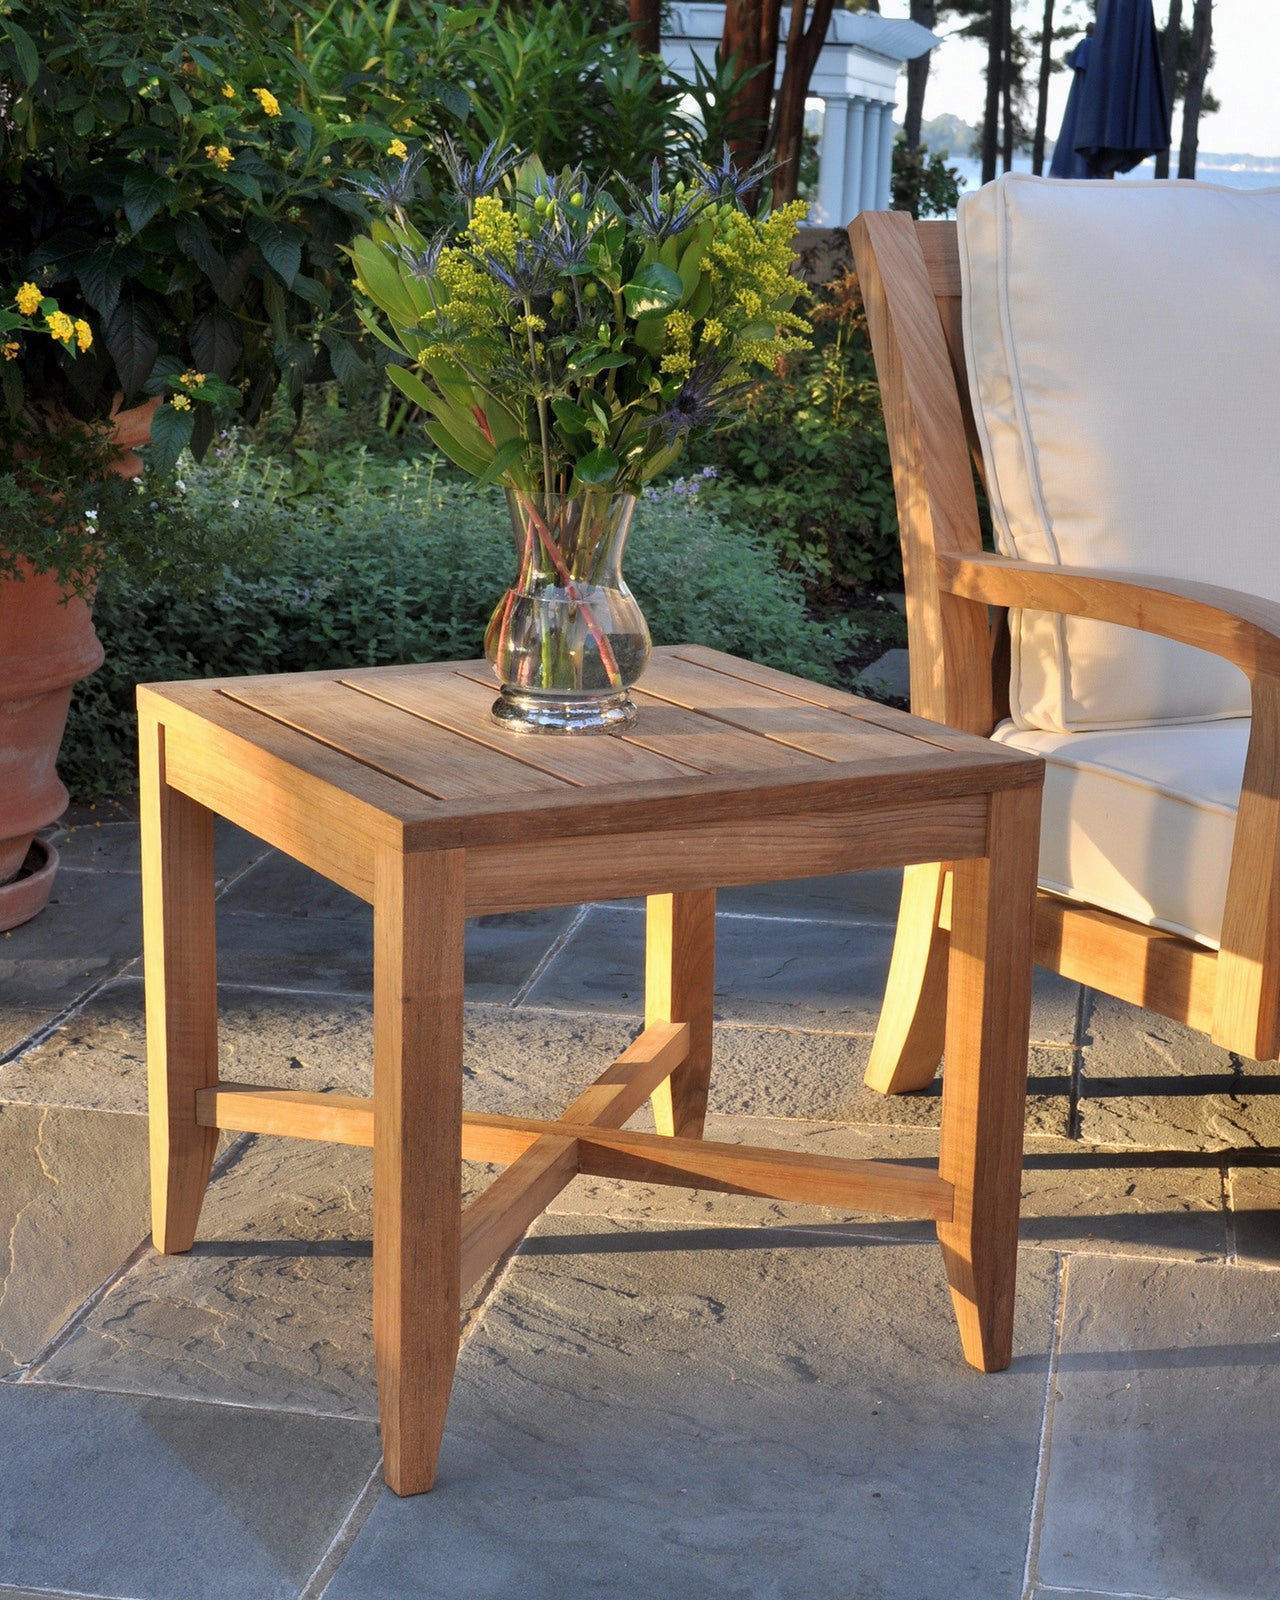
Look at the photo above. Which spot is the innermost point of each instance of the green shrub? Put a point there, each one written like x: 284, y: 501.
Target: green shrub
x: 363, y: 561
x: 808, y: 469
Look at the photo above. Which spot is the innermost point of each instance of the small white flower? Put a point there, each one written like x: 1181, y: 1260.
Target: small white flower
x: 91, y: 516
x: 180, y: 486
x: 235, y: 505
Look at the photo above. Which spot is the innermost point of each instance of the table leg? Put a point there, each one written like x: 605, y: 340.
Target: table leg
x: 182, y: 996
x: 984, y: 1078
x: 417, y: 1150
x: 680, y: 961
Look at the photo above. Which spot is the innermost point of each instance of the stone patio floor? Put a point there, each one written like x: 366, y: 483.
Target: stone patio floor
x: 662, y: 1394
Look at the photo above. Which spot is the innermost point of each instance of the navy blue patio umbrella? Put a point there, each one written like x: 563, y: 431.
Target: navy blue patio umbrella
x: 1123, y: 111
x: 1067, y: 161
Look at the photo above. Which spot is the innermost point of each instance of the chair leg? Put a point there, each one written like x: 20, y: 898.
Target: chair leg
x: 909, y: 1036
x: 182, y: 994
x: 680, y: 958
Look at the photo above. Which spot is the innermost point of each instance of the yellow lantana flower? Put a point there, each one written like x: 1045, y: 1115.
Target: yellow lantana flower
x: 181, y: 402
x: 84, y: 335
x: 228, y: 93
x: 193, y: 379
x: 220, y: 155
x: 10, y: 350
x: 398, y: 148
x: 60, y: 327
x: 28, y: 299
x: 267, y: 101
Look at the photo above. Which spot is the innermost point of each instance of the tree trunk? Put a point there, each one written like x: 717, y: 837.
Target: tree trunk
x: 1193, y: 99
x: 1169, y: 64
x: 803, y: 45
x: 1042, y: 89
x: 1006, y: 96
x: 995, y: 78
x: 751, y: 34
x: 925, y: 12
x: 646, y: 25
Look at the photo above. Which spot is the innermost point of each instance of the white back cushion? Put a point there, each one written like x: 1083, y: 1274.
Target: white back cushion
x: 1123, y: 347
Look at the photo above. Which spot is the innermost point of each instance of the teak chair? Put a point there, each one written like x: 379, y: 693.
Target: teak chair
x: 1223, y: 981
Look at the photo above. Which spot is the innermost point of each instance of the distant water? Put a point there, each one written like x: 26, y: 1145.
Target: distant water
x: 1232, y: 171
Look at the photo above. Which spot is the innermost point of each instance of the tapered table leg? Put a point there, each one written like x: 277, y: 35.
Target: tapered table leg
x: 984, y: 1075
x: 417, y: 1145
x: 680, y: 965
x: 182, y: 1000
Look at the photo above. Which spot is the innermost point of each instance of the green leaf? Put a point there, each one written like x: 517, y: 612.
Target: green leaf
x: 571, y: 416
x: 349, y: 368
x: 601, y: 363
x: 380, y: 280
x: 170, y: 434
x: 457, y: 452
x: 281, y: 246
x: 599, y: 468
x: 24, y: 49
x: 100, y: 277
x: 412, y: 386
x: 654, y: 290
x: 144, y: 194
x: 216, y: 343
x: 131, y: 345
x: 691, y: 265
x: 243, y: 183
x: 192, y: 237
x: 505, y: 457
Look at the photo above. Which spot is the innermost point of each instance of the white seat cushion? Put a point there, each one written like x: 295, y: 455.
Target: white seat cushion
x: 1123, y: 345
x: 1140, y: 822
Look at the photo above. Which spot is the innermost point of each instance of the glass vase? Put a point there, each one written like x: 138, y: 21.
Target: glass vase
x: 568, y: 640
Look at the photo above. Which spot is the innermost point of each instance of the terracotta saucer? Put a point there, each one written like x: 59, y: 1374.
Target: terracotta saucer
x: 25, y: 896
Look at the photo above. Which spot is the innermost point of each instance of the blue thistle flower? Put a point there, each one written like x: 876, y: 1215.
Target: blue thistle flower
x: 471, y: 179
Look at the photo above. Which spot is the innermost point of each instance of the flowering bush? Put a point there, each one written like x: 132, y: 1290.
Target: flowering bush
x: 173, y: 176
x: 565, y: 340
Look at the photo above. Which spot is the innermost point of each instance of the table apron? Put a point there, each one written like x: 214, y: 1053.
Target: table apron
x: 540, y: 872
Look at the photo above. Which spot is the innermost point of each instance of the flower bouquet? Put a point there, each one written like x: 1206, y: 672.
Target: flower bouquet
x: 565, y: 341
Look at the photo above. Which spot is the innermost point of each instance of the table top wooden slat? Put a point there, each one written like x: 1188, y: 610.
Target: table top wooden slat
x: 870, y: 712
x: 798, y: 725
x: 432, y: 759
x: 460, y: 698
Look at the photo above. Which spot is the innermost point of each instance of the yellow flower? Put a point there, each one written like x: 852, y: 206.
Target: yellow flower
x: 60, y: 327
x: 228, y: 93
x: 219, y: 155
x: 193, y: 380
x: 404, y: 124
x: 398, y: 148
x: 10, y: 350
x: 84, y: 334
x: 267, y: 101
x: 28, y: 299
x: 180, y: 402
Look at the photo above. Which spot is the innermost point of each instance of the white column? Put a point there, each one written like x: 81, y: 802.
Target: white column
x: 871, y: 155
x: 884, y: 196
x: 832, y: 156
x: 854, y: 144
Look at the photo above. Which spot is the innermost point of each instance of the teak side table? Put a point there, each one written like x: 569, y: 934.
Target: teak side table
x: 394, y: 783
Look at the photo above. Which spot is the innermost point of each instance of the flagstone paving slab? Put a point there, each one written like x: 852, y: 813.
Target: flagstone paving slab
x: 1153, y: 1083
x: 1255, y: 1213
x: 105, y: 1494
x: 73, y: 1206
x: 1164, y: 1448
x: 718, y: 1415
x: 791, y: 973
x: 1122, y: 1202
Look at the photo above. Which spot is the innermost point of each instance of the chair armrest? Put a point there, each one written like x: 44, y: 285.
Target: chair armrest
x: 1238, y: 627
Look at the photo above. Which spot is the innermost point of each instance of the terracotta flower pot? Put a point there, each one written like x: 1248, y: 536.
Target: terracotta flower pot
x: 47, y: 645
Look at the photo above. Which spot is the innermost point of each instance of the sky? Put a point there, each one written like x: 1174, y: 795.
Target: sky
x: 1245, y: 77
